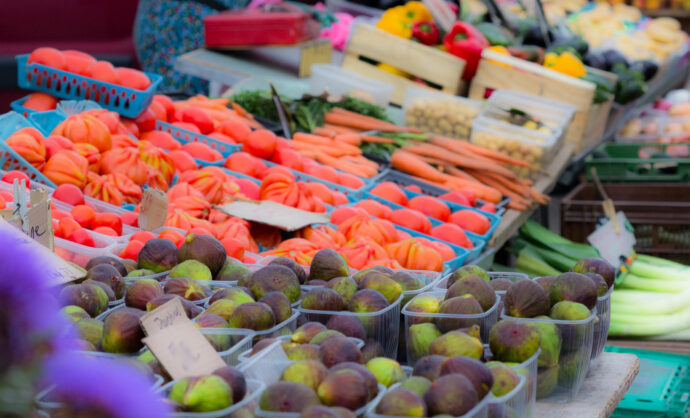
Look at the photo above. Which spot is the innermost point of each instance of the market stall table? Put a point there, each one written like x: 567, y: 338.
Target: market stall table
x: 600, y: 393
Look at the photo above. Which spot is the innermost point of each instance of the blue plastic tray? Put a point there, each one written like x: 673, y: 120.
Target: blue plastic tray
x: 125, y: 101
x: 9, y: 160
x: 18, y: 106
x: 185, y: 136
x: 493, y: 219
x: 47, y: 121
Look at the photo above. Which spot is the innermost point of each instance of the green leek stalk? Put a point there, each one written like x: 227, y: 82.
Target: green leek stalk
x: 665, y: 324
x: 683, y: 335
x: 624, y: 302
x: 530, y: 262
x: 660, y: 261
x: 665, y: 285
x: 557, y: 243
x: 644, y: 269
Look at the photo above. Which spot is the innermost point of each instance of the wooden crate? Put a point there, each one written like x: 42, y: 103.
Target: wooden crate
x: 497, y: 71
x: 437, y: 67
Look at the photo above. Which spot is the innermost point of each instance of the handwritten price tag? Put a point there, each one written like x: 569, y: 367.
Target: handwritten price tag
x: 614, y: 247
x: 154, y: 209
x: 165, y: 316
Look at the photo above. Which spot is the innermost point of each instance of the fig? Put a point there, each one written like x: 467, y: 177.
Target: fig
x: 389, y: 288
x: 189, y: 308
x: 141, y: 292
x: 90, y: 298
x: 327, y: 264
x: 546, y: 282
x: 186, y: 288
x: 324, y: 335
x: 326, y: 412
x: 547, y: 380
x: 158, y: 255
x: 223, y: 308
x: 279, y: 304
x: 323, y: 299
x: 235, y: 379
x: 103, y: 259
x: 474, y: 285
x: 306, y: 372
x: 233, y: 294
x: 596, y: 265
x: 574, y: 287
x: 206, y: 249
x: 140, y: 273
x: 571, y: 368
x: 345, y: 286
x: 457, y: 343
x: 505, y: 378
x: 108, y: 291
x: 210, y: 320
x: 288, y: 397
x: 419, y: 339
x: 451, y: 394
x: 306, y: 332
x: 256, y: 316
x: 91, y: 330
x: 602, y: 286
x: 109, y: 275
x: 349, y: 326
x: 474, y: 370
x: 339, y: 349
x: 526, y: 299
x: 233, y: 272
x: 569, y: 311
x: 423, y: 303
x: 344, y: 388
x: 292, y: 265
x: 122, y: 332
x: 500, y: 284
x: 362, y: 275
x: 275, y: 278
x: 192, y: 269
x: 371, y: 349
x: 304, y: 352
x: 369, y: 378
x: 130, y: 265
x: 316, y: 283
x: 402, y: 402
x: 513, y: 341
x: 461, y: 305
x: 387, y: 371
x: 202, y: 394
x: 74, y: 313
x: 465, y: 271
x: 429, y: 367
x: 261, y: 345
x: 551, y: 343
x: 407, y: 281
x: 416, y: 384
x: 368, y: 300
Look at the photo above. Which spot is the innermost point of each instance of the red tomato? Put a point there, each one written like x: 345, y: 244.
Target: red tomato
x: 108, y: 219
x: 130, y: 218
x: 83, y: 215
x: 15, y: 174
x: 67, y: 226
x: 70, y: 194
x: 59, y: 214
x: 196, y: 116
x: 104, y: 230
x: 81, y: 236
x: 142, y: 236
x: 146, y: 121
x: 131, y: 251
x: 233, y: 248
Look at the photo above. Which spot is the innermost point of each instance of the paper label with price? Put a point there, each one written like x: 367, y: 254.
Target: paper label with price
x: 614, y: 247
x: 154, y: 209
x: 165, y: 316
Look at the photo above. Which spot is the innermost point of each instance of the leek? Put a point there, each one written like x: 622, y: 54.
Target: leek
x: 674, y: 336
x: 663, y: 325
x: 659, y: 261
x: 530, y: 262
x: 653, y: 285
x: 506, y: 269
x: 557, y: 243
x: 623, y: 302
x: 645, y: 269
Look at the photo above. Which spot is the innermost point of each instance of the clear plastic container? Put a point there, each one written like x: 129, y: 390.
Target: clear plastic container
x: 429, y: 278
x: 354, y: 9
x: 485, y: 320
x: 77, y: 253
x: 551, y: 112
x: 339, y: 82
x: 440, y: 113
x: 247, y: 354
x: 479, y: 411
x: 529, y: 370
x: 286, y: 327
x: 528, y: 145
x: 359, y: 412
x: 382, y: 327
x: 513, y: 404
x: 513, y: 277
x: 601, y: 329
x: 248, y: 404
x: 562, y: 382
x: 237, y: 342
x: 267, y: 365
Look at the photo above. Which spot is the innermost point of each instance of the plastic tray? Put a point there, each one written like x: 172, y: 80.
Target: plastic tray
x: 18, y: 106
x: 339, y: 82
x: 485, y: 320
x: 267, y: 365
x: 529, y: 369
x: 440, y: 113
x: 245, y: 355
x: 624, y: 164
x: 661, y: 389
x: 513, y: 404
x: 239, y: 342
x: 454, y: 207
x: 47, y: 121
x: 77, y: 253
x: 185, y: 136
x: 525, y: 144
x: 254, y: 390
x: 9, y: 160
x: 382, y: 327
x: 125, y: 101
x: 576, y: 350
x: 286, y: 327
x: 513, y: 277
x: 547, y: 110
x: 479, y: 411
x: 601, y: 329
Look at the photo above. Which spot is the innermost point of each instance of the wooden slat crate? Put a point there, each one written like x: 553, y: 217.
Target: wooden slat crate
x: 497, y: 71
x: 430, y: 64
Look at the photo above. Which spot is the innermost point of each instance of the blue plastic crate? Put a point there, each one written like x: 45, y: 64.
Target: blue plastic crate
x: 125, y: 101
x: 351, y: 194
x: 9, y: 160
x: 47, y: 121
x: 18, y: 106
x: 186, y: 136
x: 493, y: 219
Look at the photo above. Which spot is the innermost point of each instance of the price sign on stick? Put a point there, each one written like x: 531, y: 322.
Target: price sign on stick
x: 154, y: 209
x: 615, y: 240
x: 177, y: 343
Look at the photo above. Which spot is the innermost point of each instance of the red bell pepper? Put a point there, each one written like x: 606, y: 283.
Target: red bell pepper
x: 426, y: 33
x: 466, y: 42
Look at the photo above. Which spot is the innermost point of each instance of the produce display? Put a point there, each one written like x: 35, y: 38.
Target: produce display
x: 440, y: 114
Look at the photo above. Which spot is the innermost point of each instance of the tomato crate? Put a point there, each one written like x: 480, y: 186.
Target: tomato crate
x: 621, y: 162
x: 125, y: 101
x: 10, y: 160
x: 660, y: 390
x: 185, y: 136
x: 659, y: 212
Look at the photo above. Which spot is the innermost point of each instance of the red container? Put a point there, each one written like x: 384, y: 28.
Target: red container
x: 276, y: 24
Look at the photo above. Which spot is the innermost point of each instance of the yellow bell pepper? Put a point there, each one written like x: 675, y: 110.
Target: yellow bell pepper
x: 500, y: 50
x: 390, y: 69
x: 394, y: 21
x: 566, y: 63
x: 417, y: 12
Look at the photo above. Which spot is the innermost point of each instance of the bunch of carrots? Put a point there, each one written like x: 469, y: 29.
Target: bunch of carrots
x: 445, y: 162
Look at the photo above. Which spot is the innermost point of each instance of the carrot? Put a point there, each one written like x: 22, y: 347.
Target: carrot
x: 341, y: 129
x: 454, y: 171
x: 335, y: 150
x: 516, y: 206
x: 433, y: 161
x: 377, y: 139
x: 412, y: 164
x: 457, y: 159
x: 351, y: 139
x: 384, y: 126
x: 312, y: 139
x: 484, y: 191
x: 362, y: 161
x: 504, y: 190
x: 342, y: 165
x: 363, y: 123
x: 324, y: 132
x: 346, y: 148
x: 456, y: 145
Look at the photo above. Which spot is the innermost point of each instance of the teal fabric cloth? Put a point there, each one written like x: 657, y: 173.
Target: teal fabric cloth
x: 166, y: 29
